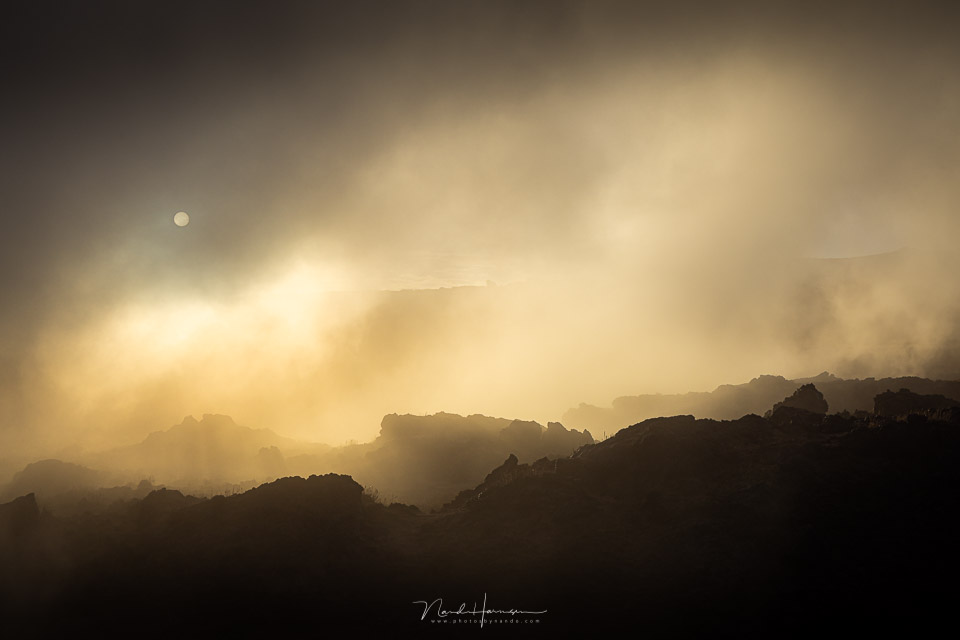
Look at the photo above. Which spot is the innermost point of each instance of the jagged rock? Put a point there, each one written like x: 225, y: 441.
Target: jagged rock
x: 713, y: 525
x: 807, y: 398
x: 558, y: 441
x: 732, y: 401
x: 504, y: 472
x: 510, y: 470
x: 904, y: 402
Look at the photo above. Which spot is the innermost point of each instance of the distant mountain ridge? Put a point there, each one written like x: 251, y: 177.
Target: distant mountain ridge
x: 754, y: 527
x: 212, y: 448
x: 51, y: 477
x: 728, y: 402
x: 424, y: 460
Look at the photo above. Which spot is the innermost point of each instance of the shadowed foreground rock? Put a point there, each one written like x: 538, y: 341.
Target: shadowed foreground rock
x: 754, y: 527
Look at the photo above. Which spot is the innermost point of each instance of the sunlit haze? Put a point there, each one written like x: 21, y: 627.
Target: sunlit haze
x: 370, y: 318
x: 413, y: 208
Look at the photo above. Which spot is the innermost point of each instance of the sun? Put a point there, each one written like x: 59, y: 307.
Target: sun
x: 181, y: 219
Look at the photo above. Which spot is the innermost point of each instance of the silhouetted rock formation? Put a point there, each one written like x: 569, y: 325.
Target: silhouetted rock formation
x: 757, y: 396
x: 31, y: 562
x: 427, y: 460
x: 904, y: 402
x: 793, y: 524
x: 50, y: 478
x: 18, y: 518
x: 701, y: 525
x: 85, y: 500
x: 212, y: 450
x: 158, y: 506
x: 523, y: 437
x: 558, y: 441
x: 806, y: 398
x: 506, y: 473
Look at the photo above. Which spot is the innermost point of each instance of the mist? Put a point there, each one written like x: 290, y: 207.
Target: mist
x: 484, y: 208
x: 561, y: 314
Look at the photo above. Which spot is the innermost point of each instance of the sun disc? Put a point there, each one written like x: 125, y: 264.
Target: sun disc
x: 181, y: 219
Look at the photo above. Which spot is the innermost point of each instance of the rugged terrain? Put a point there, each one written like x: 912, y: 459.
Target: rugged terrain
x: 797, y: 523
x: 424, y: 460
x: 730, y: 401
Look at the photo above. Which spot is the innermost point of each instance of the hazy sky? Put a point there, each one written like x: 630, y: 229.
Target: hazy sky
x: 650, y: 180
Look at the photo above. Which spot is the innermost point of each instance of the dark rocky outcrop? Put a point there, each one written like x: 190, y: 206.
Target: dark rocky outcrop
x: 18, y: 518
x: 425, y: 460
x: 738, y: 525
x: 806, y: 398
x: 757, y: 396
x: 758, y: 527
x: 903, y: 403
x: 558, y: 441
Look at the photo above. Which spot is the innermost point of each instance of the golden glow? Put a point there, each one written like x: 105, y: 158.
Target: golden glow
x: 652, y: 234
